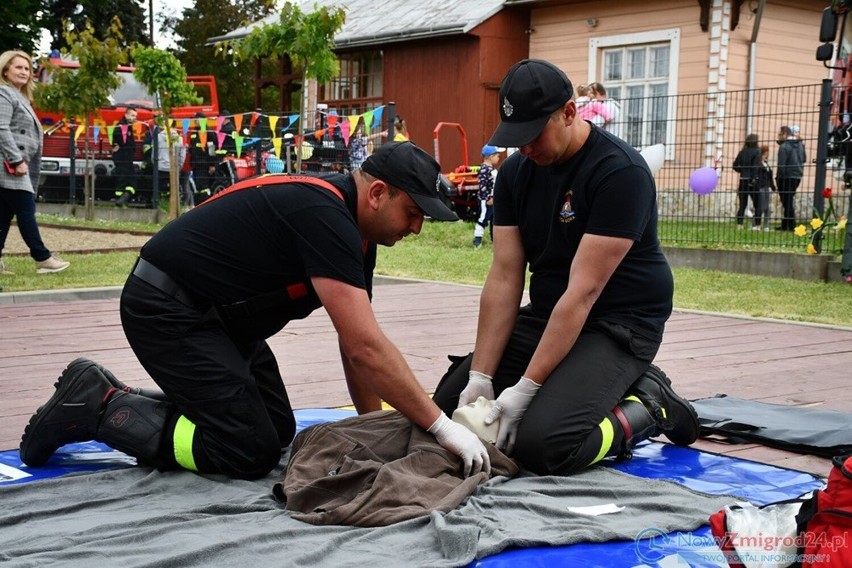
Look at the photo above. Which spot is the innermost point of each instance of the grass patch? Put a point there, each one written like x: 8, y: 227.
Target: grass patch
x: 114, y: 225
x: 444, y: 252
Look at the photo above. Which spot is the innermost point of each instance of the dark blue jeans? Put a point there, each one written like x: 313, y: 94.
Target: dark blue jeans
x: 21, y: 204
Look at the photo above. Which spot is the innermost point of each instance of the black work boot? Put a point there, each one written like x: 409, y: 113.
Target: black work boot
x: 114, y: 381
x: 136, y: 425
x: 637, y: 425
x: 70, y: 415
x: 674, y: 416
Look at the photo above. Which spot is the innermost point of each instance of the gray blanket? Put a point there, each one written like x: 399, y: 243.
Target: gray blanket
x: 142, y: 517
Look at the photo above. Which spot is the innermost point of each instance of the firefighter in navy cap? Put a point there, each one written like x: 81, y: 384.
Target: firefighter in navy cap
x: 571, y: 371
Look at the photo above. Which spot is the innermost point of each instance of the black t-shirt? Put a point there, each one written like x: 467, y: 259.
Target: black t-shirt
x: 605, y: 189
x: 260, y: 240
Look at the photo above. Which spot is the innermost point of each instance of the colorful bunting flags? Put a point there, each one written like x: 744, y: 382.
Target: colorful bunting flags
x: 344, y: 131
x: 347, y: 126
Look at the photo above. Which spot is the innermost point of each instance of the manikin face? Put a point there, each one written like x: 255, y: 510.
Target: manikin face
x: 18, y: 72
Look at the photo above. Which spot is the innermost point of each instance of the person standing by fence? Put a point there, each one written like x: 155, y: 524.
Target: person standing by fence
x: 747, y: 164
x: 765, y: 183
x: 613, y: 107
x: 791, y: 160
x: 123, y: 150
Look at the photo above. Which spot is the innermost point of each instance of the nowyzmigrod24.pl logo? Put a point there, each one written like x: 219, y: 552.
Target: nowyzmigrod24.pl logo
x: 653, y: 545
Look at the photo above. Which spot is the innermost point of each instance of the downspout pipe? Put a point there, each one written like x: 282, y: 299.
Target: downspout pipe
x: 752, y: 64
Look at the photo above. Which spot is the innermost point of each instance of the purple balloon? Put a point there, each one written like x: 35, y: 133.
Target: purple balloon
x: 703, y: 180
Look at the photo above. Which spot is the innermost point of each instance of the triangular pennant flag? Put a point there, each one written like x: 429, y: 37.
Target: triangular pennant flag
x: 123, y: 132
x: 344, y: 130
x: 202, y: 124
x: 377, y: 114
x: 276, y: 144
x: 353, y: 121
x: 253, y: 119
x: 368, y: 119
x: 80, y: 130
x: 273, y: 120
x: 110, y: 130
x: 319, y: 134
x: 96, y: 132
x: 238, y: 141
x: 220, y: 136
x: 219, y: 121
x: 293, y: 118
x: 185, y: 128
x: 238, y: 121
x: 137, y: 129
x: 202, y: 136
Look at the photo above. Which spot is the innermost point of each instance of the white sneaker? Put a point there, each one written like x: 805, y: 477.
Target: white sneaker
x: 52, y: 264
x: 3, y: 269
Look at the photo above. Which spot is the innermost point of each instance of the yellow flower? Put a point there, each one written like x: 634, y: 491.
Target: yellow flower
x: 800, y: 231
x: 811, y: 248
x: 841, y: 225
x: 816, y: 223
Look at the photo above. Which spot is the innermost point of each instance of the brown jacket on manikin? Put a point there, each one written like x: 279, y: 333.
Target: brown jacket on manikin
x: 374, y: 470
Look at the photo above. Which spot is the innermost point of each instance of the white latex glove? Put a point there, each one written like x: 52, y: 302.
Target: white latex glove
x: 478, y: 384
x: 511, y: 405
x: 463, y: 443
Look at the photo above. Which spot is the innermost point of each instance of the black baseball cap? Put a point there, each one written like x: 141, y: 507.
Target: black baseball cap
x: 531, y: 90
x: 407, y: 167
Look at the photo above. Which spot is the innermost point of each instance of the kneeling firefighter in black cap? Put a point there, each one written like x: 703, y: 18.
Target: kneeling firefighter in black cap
x: 213, y: 285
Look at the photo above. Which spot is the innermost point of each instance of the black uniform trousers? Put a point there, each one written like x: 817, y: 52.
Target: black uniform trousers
x: 561, y: 432
x: 231, y: 390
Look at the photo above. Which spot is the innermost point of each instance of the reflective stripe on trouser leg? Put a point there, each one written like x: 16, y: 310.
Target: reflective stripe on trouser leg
x: 182, y: 440
x: 608, y: 434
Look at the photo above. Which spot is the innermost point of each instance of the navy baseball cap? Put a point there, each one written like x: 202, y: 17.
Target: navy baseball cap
x: 409, y: 168
x: 531, y: 90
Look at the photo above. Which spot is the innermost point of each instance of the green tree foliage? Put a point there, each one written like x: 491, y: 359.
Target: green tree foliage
x: 306, y: 38
x: 80, y: 92
x: 212, y: 18
x: 165, y: 78
x: 99, y: 15
x: 19, y: 25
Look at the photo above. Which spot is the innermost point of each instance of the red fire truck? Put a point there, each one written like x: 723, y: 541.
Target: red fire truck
x: 59, y: 137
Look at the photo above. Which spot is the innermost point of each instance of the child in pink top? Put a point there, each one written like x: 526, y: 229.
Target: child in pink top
x: 592, y: 110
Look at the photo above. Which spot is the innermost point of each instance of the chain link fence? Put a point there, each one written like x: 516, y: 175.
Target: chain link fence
x: 707, y: 130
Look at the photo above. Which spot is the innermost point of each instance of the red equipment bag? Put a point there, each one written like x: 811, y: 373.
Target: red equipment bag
x: 825, y: 521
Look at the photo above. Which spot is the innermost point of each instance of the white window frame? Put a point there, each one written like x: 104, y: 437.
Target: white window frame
x: 672, y: 36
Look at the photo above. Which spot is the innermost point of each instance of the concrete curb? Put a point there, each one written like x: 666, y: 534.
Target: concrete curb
x: 68, y: 295
x: 112, y: 292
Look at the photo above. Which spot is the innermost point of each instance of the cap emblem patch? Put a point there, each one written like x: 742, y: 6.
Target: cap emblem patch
x: 508, y: 109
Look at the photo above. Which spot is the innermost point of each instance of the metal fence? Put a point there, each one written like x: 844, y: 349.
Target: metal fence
x: 708, y: 130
